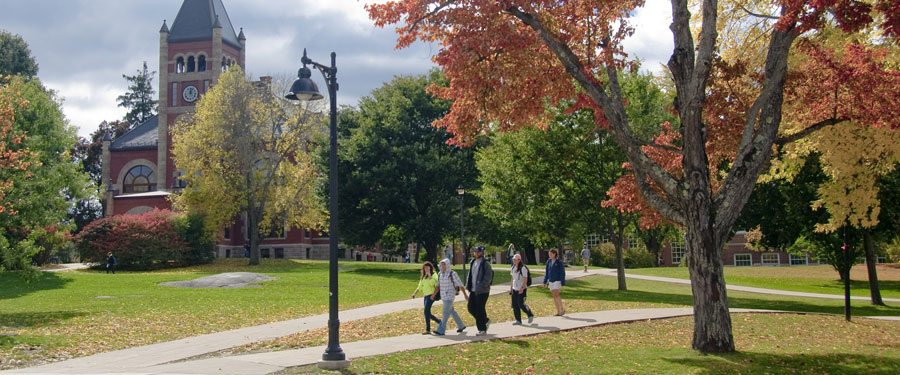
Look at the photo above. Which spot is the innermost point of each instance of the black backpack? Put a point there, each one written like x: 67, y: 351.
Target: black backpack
x: 527, y: 276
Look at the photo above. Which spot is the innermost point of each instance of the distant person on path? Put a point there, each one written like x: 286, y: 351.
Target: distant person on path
x: 517, y: 289
x: 428, y: 287
x: 246, y: 251
x: 510, y: 253
x: 555, y: 278
x: 586, y: 256
x: 479, y: 285
x: 448, y: 254
x: 110, y: 263
x: 448, y: 284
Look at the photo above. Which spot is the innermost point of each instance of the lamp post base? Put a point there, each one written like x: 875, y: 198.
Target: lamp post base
x: 333, y: 365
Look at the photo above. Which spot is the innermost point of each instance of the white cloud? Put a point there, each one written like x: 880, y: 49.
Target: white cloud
x: 86, y: 104
x: 652, y: 39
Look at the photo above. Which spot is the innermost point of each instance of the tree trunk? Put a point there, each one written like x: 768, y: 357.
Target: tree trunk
x: 529, y: 254
x: 620, y: 252
x: 253, y: 237
x: 418, y: 247
x: 870, y: 266
x: 712, y: 321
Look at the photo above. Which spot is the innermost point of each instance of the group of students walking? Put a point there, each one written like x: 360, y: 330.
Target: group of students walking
x: 445, y: 284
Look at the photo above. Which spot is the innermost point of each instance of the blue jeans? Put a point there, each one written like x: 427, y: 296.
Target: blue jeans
x: 428, y: 315
x: 449, y: 311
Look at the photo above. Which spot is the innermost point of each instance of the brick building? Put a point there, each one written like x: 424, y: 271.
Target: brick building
x: 138, y: 167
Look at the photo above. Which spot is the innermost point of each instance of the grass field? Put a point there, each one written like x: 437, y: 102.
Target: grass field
x: 812, y: 279
x: 588, y: 294
x: 73, y: 314
x: 766, y: 344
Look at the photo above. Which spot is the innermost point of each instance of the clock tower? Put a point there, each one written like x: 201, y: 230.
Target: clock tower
x: 200, y: 45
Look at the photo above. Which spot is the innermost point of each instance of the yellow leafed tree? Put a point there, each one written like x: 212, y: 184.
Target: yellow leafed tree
x: 245, y: 151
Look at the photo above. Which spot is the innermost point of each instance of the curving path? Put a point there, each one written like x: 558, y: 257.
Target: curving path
x: 162, y: 358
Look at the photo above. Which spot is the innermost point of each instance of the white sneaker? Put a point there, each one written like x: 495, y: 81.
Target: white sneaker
x: 487, y: 324
x: 481, y: 333
x: 530, y: 319
x: 517, y: 323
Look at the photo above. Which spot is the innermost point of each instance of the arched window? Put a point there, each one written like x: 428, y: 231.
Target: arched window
x: 179, y: 65
x: 201, y: 63
x: 139, y: 179
x: 224, y: 65
x: 190, y: 64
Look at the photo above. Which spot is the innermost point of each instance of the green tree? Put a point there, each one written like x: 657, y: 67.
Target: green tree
x: 242, y: 151
x: 89, y: 152
x: 43, y: 196
x: 15, y: 56
x: 398, y: 177
x: 139, y: 98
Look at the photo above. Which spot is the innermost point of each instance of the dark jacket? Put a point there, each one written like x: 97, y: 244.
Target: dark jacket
x: 485, y: 277
x: 555, y: 273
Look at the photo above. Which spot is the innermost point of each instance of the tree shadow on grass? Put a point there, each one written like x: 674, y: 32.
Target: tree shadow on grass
x: 14, y: 285
x: 37, y: 318
x: 763, y: 363
x: 581, y: 290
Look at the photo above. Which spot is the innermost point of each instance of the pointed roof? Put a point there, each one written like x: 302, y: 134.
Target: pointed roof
x: 142, y: 137
x: 196, y: 20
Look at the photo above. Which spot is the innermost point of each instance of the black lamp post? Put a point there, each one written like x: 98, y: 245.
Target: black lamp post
x: 304, y: 89
x: 461, y: 193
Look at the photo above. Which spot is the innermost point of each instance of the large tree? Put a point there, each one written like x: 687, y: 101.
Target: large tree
x: 138, y: 100
x: 51, y: 184
x: 506, y: 59
x: 243, y: 151
x: 89, y: 152
x: 15, y: 56
x: 398, y: 175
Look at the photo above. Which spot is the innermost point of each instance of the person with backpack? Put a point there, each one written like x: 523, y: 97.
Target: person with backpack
x: 448, y: 285
x: 428, y: 287
x: 555, y: 278
x: 479, y: 285
x: 521, y: 279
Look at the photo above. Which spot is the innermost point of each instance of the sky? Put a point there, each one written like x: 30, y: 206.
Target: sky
x: 83, y: 47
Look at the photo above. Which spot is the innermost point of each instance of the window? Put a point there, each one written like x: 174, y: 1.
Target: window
x: 190, y: 64
x: 306, y: 233
x: 798, y: 260
x: 632, y: 243
x: 228, y: 253
x: 743, y: 260
x: 771, y: 259
x: 139, y: 179
x: 678, y: 251
x: 201, y: 63
x: 179, y: 65
x: 279, y: 252
x: 595, y: 239
x: 227, y: 233
x: 264, y: 253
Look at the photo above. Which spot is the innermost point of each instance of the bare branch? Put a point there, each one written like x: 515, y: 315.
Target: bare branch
x: 659, y: 146
x: 429, y: 14
x: 758, y: 14
x: 809, y: 130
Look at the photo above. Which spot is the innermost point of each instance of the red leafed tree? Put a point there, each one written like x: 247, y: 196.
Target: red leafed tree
x: 506, y: 59
x: 14, y: 158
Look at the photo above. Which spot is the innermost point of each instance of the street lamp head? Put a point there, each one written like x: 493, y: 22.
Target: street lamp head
x: 460, y: 190
x: 304, y: 89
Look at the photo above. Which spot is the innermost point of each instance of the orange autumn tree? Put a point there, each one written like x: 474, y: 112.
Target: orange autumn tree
x: 14, y: 158
x: 507, y: 59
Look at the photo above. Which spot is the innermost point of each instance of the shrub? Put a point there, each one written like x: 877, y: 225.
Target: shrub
x: 635, y: 257
x: 157, y: 239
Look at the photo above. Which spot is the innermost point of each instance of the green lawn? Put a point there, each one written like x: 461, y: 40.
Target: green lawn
x: 766, y: 344
x: 811, y: 279
x: 72, y: 314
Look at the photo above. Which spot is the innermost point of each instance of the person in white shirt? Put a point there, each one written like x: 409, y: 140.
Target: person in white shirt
x: 517, y: 289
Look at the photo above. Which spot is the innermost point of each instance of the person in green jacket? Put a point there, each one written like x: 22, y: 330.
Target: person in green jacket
x: 428, y: 286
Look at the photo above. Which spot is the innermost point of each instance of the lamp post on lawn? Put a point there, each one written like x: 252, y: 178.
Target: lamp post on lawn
x: 461, y: 193
x: 304, y: 89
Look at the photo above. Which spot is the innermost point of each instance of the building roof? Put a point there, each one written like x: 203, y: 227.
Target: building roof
x: 196, y: 20
x: 142, y: 137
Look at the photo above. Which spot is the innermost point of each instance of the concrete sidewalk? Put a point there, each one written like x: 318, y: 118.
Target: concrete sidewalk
x: 155, y: 354
x: 612, y: 272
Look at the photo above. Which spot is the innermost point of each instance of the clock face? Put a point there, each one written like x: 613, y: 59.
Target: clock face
x: 190, y: 94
